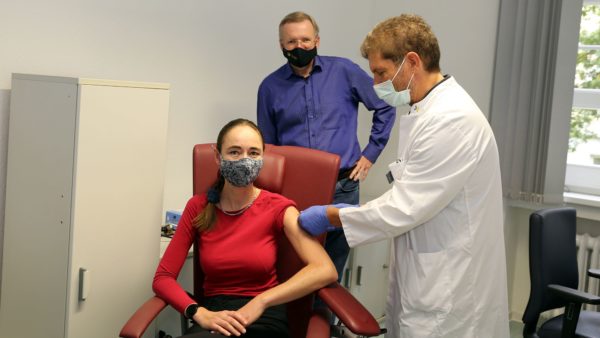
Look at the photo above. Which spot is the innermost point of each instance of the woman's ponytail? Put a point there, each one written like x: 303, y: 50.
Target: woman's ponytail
x: 206, y: 219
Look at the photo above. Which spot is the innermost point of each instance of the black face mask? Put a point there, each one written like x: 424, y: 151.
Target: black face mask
x: 300, y: 57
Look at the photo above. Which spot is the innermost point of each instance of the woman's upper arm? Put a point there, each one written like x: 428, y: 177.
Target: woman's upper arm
x: 178, y: 248
x: 308, y: 248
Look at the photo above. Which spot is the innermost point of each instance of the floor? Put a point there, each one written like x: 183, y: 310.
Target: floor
x: 516, y: 331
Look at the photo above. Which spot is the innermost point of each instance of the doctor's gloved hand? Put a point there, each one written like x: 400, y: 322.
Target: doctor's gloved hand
x: 314, y: 219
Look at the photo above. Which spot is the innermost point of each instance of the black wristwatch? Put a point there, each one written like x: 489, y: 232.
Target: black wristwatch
x: 191, y: 310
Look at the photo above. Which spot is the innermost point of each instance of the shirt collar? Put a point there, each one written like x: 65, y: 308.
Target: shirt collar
x: 288, y: 72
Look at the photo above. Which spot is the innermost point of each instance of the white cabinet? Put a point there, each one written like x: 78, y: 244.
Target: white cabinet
x: 368, y: 276
x: 85, y: 175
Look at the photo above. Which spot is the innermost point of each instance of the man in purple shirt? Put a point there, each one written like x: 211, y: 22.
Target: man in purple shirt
x: 312, y: 101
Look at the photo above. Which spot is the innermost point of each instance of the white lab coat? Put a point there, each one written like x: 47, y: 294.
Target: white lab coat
x: 444, y: 214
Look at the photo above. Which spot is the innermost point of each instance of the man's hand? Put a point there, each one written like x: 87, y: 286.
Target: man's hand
x: 361, y: 170
x: 224, y: 322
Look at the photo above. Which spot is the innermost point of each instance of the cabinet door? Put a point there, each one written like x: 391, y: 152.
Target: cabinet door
x: 38, y: 208
x: 119, y: 177
x: 369, y: 276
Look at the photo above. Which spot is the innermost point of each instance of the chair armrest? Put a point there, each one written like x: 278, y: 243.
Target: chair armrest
x: 141, y: 319
x: 594, y: 273
x: 349, y: 310
x: 574, y: 295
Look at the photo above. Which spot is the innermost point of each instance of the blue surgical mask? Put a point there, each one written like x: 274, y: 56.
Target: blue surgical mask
x: 386, y: 91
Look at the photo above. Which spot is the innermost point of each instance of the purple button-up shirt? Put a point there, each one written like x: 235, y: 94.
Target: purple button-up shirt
x: 321, y: 111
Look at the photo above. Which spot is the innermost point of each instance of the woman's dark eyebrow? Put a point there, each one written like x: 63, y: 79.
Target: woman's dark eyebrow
x: 233, y: 148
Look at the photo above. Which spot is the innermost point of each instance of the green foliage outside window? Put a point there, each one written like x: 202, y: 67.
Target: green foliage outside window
x: 580, y: 120
x: 587, y: 76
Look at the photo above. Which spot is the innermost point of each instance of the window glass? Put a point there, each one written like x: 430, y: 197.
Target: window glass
x: 583, y: 160
x: 585, y: 126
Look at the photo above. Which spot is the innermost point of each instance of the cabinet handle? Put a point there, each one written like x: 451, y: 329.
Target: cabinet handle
x: 358, y: 274
x: 84, y: 283
x: 346, y: 281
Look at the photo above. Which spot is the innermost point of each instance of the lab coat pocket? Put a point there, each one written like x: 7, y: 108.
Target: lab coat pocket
x: 426, y: 288
x: 397, y: 169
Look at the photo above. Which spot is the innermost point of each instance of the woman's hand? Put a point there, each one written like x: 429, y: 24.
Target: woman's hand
x: 252, y: 310
x: 224, y: 322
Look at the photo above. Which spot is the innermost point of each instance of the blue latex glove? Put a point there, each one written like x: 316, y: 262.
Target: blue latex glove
x: 314, y: 219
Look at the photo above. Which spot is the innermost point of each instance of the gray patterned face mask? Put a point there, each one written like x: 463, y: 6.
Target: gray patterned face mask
x: 241, y: 172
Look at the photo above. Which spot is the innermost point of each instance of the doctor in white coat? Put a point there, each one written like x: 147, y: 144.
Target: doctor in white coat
x: 444, y: 206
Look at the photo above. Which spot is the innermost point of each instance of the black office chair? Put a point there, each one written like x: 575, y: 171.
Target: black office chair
x: 554, y: 278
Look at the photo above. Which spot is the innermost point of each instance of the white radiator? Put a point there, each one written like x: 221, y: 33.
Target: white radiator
x: 588, y: 257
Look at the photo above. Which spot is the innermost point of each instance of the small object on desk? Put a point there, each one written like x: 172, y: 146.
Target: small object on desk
x: 167, y: 230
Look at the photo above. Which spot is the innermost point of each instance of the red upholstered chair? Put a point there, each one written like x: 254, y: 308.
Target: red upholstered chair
x: 308, y: 177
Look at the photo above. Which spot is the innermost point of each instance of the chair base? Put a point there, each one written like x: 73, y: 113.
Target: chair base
x: 587, y: 326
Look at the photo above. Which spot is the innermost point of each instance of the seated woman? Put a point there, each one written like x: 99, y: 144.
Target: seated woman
x: 237, y: 225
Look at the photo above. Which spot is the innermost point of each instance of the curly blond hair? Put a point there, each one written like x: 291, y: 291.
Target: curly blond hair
x: 396, y: 36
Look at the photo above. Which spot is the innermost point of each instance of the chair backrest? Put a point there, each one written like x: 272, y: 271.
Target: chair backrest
x: 552, y: 259
x: 306, y: 176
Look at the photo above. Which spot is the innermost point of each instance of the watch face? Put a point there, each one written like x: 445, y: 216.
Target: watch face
x: 191, y: 310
